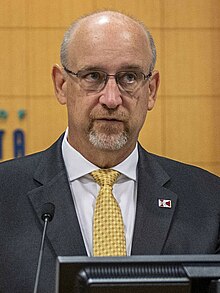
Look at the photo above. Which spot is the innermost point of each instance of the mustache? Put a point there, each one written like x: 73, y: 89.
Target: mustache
x: 109, y: 114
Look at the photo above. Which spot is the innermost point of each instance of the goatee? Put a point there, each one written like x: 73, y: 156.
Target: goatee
x: 111, y: 142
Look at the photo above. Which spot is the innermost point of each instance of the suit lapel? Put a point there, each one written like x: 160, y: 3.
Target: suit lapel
x: 152, y: 222
x: 151, y: 225
x: 63, y: 232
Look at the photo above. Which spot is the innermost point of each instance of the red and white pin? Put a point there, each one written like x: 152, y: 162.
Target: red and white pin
x: 165, y: 203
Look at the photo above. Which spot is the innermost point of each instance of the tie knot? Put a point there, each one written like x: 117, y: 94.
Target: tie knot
x: 105, y: 176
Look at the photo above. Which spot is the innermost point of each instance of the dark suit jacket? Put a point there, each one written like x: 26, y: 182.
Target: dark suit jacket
x: 191, y: 226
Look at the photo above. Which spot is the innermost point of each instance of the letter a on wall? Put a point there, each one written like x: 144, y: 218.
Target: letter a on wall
x: 19, y: 143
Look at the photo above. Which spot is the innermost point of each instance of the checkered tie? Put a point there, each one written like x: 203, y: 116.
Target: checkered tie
x: 108, y: 227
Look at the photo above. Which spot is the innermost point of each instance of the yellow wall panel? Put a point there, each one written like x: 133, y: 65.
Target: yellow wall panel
x: 47, y: 122
x: 13, y: 79
x: 192, y: 129
x: 191, y: 13
x: 12, y: 105
x: 13, y: 13
x: 192, y: 63
x: 56, y: 13
x: 43, y: 52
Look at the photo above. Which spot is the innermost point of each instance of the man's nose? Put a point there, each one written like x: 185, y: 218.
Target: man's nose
x: 111, y: 95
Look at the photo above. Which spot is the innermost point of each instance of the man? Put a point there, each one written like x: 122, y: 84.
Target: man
x: 108, y: 83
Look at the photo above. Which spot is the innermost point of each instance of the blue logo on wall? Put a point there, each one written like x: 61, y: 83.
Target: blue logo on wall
x: 18, y: 143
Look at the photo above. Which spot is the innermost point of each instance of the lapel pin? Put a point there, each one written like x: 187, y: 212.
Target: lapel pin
x: 165, y: 203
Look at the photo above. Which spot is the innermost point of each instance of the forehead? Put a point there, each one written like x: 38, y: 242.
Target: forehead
x: 109, y: 42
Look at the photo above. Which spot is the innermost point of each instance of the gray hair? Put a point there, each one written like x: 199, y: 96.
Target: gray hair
x: 71, y: 29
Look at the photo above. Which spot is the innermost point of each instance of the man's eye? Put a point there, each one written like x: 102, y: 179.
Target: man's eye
x: 92, y: 76
x: 129, y: 77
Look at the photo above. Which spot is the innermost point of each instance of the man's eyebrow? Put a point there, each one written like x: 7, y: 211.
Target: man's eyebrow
x: 90, y: 68
x: 131, y: 66
x: 125, y: 67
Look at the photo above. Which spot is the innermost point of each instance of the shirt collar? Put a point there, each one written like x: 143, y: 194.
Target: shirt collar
x: 78, y: 166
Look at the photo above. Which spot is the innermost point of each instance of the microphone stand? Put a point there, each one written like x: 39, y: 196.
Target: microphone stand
x: 46, y: 220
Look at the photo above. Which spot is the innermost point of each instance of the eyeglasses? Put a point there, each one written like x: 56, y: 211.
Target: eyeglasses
x: 96, y: 80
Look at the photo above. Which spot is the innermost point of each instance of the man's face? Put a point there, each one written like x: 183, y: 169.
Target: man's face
x: 111, y: 118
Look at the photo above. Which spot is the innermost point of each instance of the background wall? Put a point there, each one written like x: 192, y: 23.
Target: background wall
x: 185, y: 122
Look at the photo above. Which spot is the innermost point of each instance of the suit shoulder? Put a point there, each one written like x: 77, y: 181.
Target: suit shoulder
x: 185, y: 171
x: 179, y: 173
x: 18, y: 164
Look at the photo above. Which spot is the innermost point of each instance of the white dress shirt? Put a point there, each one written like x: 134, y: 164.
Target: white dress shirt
x: 85, y: 190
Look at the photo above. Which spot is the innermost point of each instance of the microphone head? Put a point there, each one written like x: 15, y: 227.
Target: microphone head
x: 48, y: 210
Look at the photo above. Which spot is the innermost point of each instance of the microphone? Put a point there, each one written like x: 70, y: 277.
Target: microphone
x: 47, y: 214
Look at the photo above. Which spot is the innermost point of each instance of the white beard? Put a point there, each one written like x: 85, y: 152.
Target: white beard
x: 111, y: 142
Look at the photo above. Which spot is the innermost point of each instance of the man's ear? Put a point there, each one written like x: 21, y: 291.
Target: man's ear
x: 59, y: 82
x: 153, y: 87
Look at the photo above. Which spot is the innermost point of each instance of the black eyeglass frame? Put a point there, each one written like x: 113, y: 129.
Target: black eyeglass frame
x: 146, y: 76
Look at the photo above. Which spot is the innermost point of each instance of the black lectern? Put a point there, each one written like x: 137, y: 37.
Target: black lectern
x: 139, y: 274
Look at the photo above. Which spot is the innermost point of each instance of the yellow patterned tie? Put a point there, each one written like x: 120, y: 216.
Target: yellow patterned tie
x: 108, y: 227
